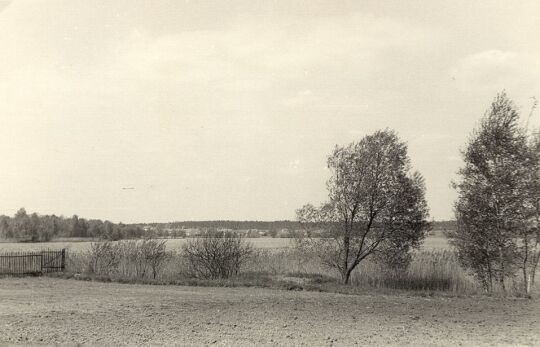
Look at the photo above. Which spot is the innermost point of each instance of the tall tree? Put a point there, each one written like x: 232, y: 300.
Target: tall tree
x: 5, y: 229
x: 491, y: 209
x: 375, y: 205
x: 529, y: 245
x: 22, y: 225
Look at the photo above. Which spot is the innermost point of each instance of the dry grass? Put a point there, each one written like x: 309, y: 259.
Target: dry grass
x: 276, y: 264
x: 285, y: 268
x: 84, y: 244
x: 435, y: 241
x: 435, y: 270
x: 429, y: 271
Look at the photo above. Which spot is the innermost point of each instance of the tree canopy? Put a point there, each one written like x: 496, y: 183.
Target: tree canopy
x: 496, y: 192
x: 376, y: 205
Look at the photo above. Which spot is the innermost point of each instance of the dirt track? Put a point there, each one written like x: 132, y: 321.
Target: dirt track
x: 47, y: 311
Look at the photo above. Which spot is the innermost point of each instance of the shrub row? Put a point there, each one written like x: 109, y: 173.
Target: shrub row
x: 229, y: 260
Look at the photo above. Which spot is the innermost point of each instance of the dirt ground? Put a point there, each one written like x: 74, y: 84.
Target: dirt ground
x: 50, y: 311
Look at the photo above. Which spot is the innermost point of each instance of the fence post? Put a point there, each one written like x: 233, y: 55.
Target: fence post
x: 63, y: 259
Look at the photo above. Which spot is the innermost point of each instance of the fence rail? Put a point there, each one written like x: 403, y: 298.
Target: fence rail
x: 32, y: 263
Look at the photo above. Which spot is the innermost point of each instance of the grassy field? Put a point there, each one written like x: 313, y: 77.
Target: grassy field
x: 433, y: 268
x: 54, y: 311
x: 437, y: 241
x: 172, y: 244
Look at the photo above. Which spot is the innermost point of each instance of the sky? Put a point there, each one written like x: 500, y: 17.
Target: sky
x: 156, y: 111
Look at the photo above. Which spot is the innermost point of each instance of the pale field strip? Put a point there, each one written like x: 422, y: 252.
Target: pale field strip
x: 436, y: 242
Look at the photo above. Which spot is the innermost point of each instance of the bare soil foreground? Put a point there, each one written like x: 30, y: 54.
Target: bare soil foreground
x: 49, y: 311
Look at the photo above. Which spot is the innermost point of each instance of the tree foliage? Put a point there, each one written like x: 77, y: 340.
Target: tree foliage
x: 376, y: 206
x: 40, y: 228
x: 496, y: 194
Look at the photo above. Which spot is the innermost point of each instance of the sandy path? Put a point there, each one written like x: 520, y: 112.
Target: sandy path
x: 47, y: 311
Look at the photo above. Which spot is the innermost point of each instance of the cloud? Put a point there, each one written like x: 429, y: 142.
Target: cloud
x: 247, y: 50
x: 496, y: 70
x: 4, y: 4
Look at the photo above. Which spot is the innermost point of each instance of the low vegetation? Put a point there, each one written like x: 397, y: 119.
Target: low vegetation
x: 216, y: 255
x: 286, y: 268
x: 125, y: 259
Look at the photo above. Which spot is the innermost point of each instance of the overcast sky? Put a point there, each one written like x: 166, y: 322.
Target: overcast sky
x: 228, y: 110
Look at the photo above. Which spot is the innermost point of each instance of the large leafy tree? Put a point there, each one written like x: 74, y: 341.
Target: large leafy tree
x: 375, y: 205
x: 529, y: 236
x: 493, y: 209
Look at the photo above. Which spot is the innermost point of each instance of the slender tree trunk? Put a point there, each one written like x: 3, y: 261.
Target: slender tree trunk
x: 348, y: 273
x: 525, y: 280
x: 484, y: 279
x: 345, y: 273
x: 534, y: 265
x: 345, y: 277
x: 490, y: 276
x: 345, y: 261
x: 502, y: 273
x: 525, y: 265
x: 346, y: 250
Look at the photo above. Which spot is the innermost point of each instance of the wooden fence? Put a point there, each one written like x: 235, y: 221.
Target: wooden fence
x: 32, y: 263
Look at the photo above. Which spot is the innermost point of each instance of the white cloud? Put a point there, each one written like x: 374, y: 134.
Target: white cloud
x: 256, y: 55
x: 494, y: 70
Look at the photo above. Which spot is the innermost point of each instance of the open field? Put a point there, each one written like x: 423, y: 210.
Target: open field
x: 50, y: 311
x: 432, y: 242
x: 172, y: 244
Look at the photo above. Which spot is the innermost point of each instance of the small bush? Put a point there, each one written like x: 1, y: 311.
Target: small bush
x: 155, y: 255
x: 103, y: 258
x: 219, y: 255
x: 133, y: 258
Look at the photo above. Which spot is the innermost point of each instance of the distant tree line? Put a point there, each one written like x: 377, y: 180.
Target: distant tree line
x: 260, y: 225
x: 39, y: 228
x: 232, y: 225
